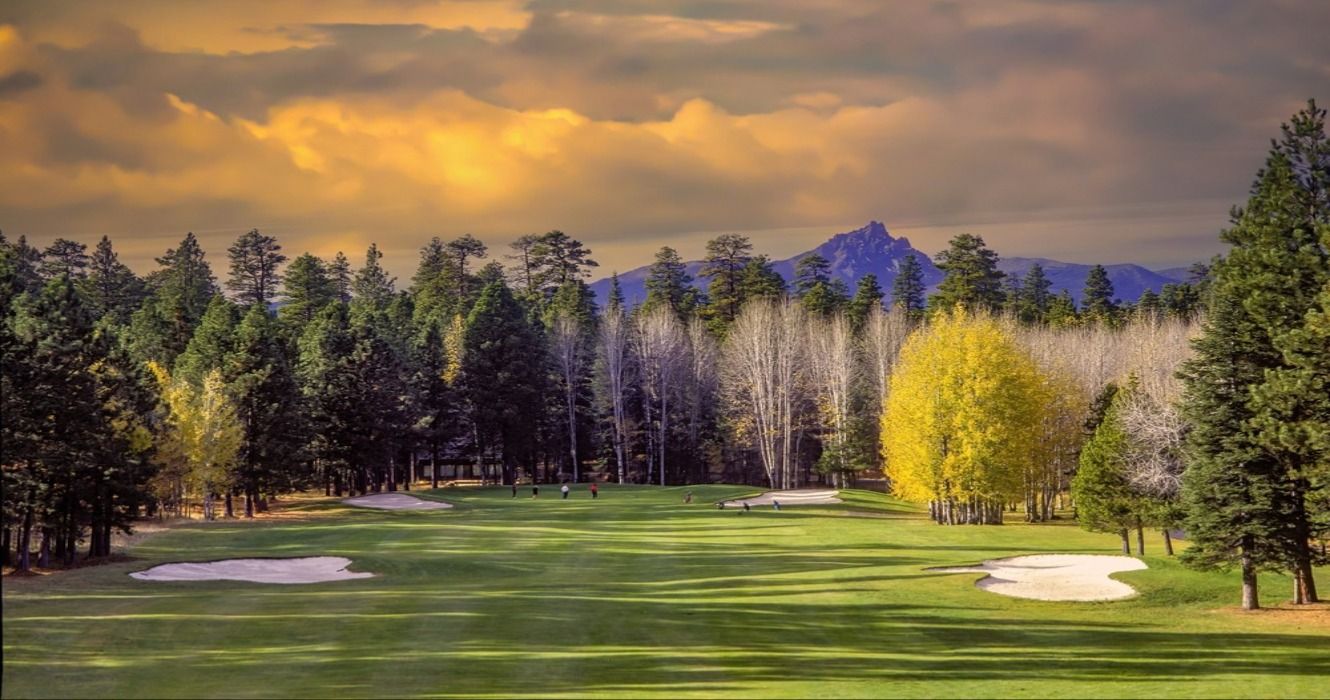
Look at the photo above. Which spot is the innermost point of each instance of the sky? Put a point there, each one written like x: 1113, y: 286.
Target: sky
x: 1103, y: 131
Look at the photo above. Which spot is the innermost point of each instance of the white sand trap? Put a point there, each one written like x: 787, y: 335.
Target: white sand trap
x: 297, y: 570
x: 1055, y: 576
x: 801, y: 497
x: 395, y: 501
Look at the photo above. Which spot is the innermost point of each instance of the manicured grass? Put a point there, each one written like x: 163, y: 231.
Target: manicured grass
x: 636, y: 594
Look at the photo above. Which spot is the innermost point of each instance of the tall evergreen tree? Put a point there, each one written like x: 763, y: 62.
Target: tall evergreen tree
x: 727, y: 255
x: 111, y: 288
x: 1250, y: 477
x: 813, y: 284
x: 26, y: 263
x: 306, y: 289
x: 212, y: 343
x: 263, y: 388
x: 372, y: 288
x: 340, y: 274
x: 65, y: 257
x: 254, y: 262
x: 1062, y: 311
x: 1097, y: 303
x: 1036, y: 296
x: 503, y: 376
x: 867, y: 296
x: 972, y: 277
x: 669, y: 283
x: 557, y: 259
x: 761, y: 281
x: 907, y: 290
x: 181, y: 292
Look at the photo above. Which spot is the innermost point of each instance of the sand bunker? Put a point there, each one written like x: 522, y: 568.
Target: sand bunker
x: 298, y: 570
x: 395, y: 501
x: 1055, y: 576
x: 801, y: 497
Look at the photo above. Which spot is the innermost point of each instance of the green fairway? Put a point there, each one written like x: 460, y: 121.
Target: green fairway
x: 637, y: 594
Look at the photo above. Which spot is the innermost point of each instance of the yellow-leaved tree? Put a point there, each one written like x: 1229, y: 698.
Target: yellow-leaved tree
x: 198, y: 441
x: 962, y: 418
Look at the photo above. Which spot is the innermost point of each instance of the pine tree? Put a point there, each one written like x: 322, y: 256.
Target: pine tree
x: 1249, y: 475
x: 182, y: 290
x: 972, y: 279
x: 459, y: 251
x: 503, y: 376
x: 1062, y: 311
x: 111, y: 288
x: 372, y: 289
x: 1097, y: 303
x: 262, y: 387
x: 340, y: 274
x: 306, y: 289
x: 669, y: 283
x: 1105, y: 501
x: 1149, y: 306
x: 213, y: 341
x: 867, y: 296
x: 1036, y: 296
x: 557, y: 259
x: 331, y: 394
x: 727, y: 255
x: 26, y: 262
x: 907, y: 290
x: 254, y: 262
x: 761, y: 281
x: 65, y: 257
x: 52, y: 418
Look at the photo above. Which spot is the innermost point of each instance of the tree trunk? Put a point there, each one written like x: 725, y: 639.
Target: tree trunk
x: 1140, y: 538
x: 1126, y: 543
x: 249, y: 502
x: 44, y: 554
x: 25, y: 541
x: 1250, y: 601
x: 230, y: 505
x: 434, y: 464
x: 572, y: 430
x: 1304, y: 582
x: 1168, y: 542
x: 392, y: 473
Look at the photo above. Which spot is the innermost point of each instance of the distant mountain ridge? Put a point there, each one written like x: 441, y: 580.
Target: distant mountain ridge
x: 872, y: 249
x: 852, y: 255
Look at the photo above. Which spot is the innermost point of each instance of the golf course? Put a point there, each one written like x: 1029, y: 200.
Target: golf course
x: 638, y: 594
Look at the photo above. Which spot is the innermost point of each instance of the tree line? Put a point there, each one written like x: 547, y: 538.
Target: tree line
x: 126, y: 396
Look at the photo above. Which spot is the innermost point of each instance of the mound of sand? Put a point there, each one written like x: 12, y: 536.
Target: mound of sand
x: 1055, y: 576
x: 297, y: 570
x: 395, y: 501
x: 800, y: 497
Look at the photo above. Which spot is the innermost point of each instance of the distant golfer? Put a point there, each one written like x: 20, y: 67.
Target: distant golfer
x: 720, y: 505
x: 688, y: 497
x: 514, y: 487
x: 564, y: 490
x: 775, y: 504
x: 535, y: 489
x: 594, y: 491
x: 747, y: 507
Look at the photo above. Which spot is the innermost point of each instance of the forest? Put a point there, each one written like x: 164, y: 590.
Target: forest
x: 1204, y: 407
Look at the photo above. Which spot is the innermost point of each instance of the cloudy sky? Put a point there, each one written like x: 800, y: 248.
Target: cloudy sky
x: 1087, y: 131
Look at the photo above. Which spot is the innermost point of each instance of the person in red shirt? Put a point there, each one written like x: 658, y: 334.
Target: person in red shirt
x: 594, y: 491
